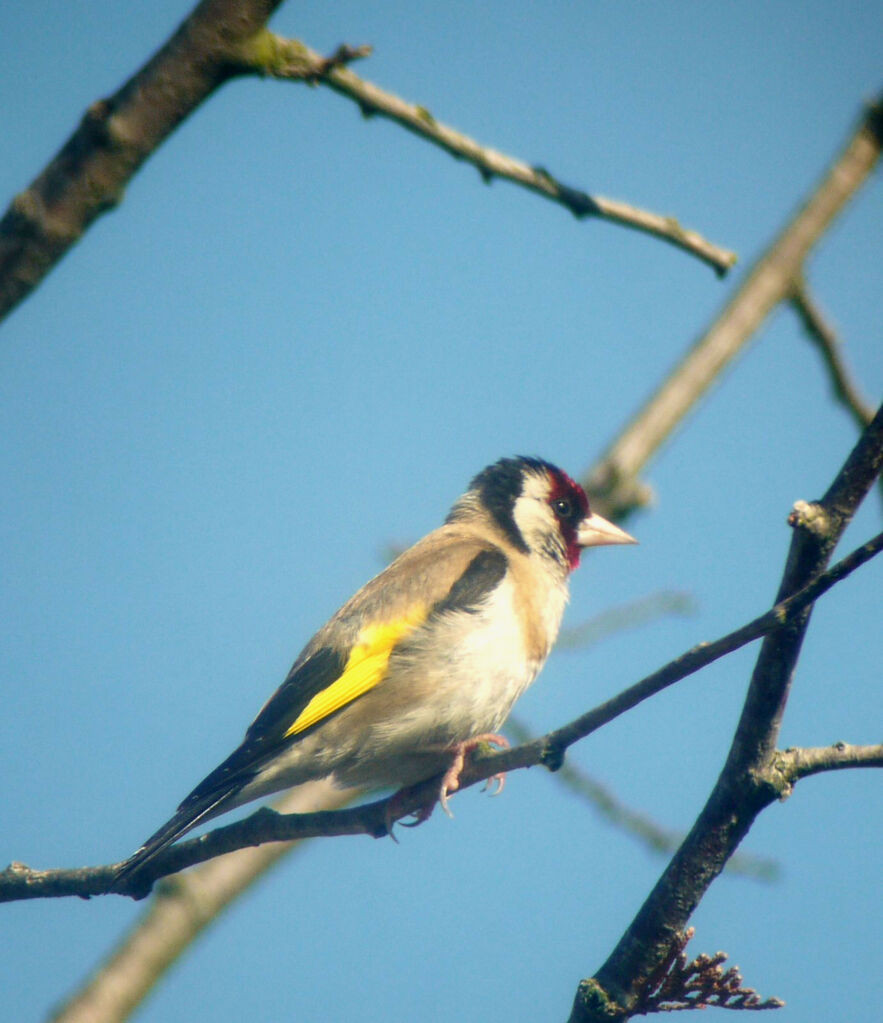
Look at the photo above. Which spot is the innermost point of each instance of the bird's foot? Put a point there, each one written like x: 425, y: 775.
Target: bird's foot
x: 451, y: 780
x: 395, y: 806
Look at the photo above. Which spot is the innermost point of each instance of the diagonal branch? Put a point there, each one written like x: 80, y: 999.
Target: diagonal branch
x: 21, y: 882
x: 219, y: 40
x: 88, y: 175
x: 285, y: 58
x: 780, y: 616
x: 613, y: 485
x: 824, y: 337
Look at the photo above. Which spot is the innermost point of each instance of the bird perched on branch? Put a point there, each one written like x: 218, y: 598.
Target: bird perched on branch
x: 426, y: 660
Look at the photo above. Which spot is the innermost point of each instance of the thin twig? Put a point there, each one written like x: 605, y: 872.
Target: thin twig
x: 780, y: 615
x: 286, y: 58
x: 825, y: 338
x: 219, y: 40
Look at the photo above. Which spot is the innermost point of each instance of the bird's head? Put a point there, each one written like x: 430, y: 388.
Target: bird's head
x: 540, y: 509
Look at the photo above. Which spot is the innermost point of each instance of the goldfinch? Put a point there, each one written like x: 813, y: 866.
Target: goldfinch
x: 426, y: 660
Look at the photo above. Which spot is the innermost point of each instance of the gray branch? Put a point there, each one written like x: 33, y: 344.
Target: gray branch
x: 613, y: 485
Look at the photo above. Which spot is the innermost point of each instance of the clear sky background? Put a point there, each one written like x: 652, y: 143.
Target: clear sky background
x: 291, y: 346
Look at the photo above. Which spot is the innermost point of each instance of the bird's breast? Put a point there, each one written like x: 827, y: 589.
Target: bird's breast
x: 461, y: 674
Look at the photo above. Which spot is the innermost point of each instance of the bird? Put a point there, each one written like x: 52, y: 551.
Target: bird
x: 425, y: 661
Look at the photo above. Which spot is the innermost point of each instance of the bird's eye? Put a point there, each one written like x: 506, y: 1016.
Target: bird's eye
x: 562, y: 508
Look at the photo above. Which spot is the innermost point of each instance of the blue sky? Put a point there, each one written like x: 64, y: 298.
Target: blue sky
x: 291, y: 346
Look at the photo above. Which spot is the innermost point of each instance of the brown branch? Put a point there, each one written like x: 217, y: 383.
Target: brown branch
x: 116, y: 135
x: 285, y: 58
x: 19, y: 881
x: 825, y: 338
x: 219, y: 40
x: 746, y: 784
x: 613, y: 485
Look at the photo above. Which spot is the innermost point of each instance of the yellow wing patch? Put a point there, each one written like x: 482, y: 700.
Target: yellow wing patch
x: 365, y: 668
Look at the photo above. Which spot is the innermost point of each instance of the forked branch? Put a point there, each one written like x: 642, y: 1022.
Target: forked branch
x: 749, y: 781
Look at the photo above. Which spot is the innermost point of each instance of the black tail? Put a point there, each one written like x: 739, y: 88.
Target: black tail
x: 189, y: 814
x: 210, y: 797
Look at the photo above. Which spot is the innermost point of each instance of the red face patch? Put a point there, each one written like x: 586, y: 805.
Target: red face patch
x: 568, y: 501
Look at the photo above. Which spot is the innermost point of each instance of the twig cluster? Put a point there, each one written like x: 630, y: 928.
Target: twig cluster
x: 699, y: 984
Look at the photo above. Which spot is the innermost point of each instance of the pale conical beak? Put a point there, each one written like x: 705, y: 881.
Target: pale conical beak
x: 595, y: 531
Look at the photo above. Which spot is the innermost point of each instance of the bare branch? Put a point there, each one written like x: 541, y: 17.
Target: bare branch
x: 88, y: 175
x: 219, y: 40
x: 613, y: 485
x: 287, y: 58
x: 790, y: 765
x: 783, y: 614
x: 824, y: 337
x: 19, y: 881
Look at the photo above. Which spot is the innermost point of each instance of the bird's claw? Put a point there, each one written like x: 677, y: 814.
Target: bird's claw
x: 449, y: 784
x: 451, y: 780
x: 498, y: 780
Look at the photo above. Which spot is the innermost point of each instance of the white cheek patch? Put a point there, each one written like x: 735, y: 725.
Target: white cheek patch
x: 536, y: 521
